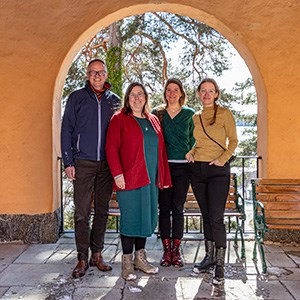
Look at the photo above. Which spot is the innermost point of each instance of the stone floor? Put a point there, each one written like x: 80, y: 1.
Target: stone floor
x: 43, y: 271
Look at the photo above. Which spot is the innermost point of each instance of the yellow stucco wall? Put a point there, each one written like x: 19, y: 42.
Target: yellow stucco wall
x: 39, y: 39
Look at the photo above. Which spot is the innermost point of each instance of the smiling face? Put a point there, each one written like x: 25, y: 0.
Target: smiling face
x: 207, y: 94
x: 173, y: 94
x: 137, y: 100
x: 97, y: 74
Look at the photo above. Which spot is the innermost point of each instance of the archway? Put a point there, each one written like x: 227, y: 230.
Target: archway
x: 208, y: 19
x: 40, y: 39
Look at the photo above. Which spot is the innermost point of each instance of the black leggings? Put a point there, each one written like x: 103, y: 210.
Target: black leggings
x: 171, y: 202
x: 210, y: 185
x: 128, y: 242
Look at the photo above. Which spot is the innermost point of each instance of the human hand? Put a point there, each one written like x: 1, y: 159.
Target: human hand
x: 120, y: 181
x: 70, y: 172
x: 189, y: 157
x: 216, y: 162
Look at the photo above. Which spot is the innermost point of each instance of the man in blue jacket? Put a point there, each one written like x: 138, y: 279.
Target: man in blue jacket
x: 83, y: 134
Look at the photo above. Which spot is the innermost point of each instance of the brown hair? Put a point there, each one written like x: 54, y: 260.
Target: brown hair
x: 176, y: 81
x: 217, y: 90
x: 126, y: 107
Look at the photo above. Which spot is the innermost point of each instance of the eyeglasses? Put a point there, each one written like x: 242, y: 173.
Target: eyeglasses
x: 139, y: 95
x: 94, y: 73
x: 210, y: 92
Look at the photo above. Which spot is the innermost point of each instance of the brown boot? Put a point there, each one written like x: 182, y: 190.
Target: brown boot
x: 176, y: 257
x: 98, y: 261
x: 166, y: 260
x: 80, y: 269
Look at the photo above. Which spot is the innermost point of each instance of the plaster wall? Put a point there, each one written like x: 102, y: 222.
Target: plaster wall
x: 39, y: 39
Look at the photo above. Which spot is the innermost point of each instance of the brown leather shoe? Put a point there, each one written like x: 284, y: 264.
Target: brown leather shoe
x: 97, y: 260
x: 80, y: 269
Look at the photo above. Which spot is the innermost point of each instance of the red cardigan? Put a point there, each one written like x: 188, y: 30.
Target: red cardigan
x: 125, y: 152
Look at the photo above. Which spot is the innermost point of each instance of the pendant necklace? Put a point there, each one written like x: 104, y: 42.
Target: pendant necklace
x: 174, y: 110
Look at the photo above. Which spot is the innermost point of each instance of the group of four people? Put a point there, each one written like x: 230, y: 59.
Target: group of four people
x: 149, y: 159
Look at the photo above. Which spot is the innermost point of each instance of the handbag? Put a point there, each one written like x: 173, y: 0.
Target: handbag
x: 233, y: 156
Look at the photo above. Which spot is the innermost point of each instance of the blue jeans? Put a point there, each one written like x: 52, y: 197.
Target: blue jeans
x: 171, y: 202
x: 91, y: 176
x: 210, y: 185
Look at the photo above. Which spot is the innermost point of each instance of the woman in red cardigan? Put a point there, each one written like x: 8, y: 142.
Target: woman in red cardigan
x: 137, y: 158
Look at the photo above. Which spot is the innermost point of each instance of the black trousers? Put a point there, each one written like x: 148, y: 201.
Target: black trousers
x: 91, y: 176
x: 210, y: 185
x: 171, y: 202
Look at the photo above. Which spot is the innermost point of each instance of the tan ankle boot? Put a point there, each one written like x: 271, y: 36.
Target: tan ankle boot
x: 127, y: 267
x: 141, y: 263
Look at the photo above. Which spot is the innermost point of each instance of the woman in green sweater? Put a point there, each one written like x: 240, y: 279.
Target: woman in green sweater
x: 216, y: 140
x: 177, y: 124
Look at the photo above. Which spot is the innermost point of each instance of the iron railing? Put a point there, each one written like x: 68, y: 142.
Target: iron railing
x: 245, y: 167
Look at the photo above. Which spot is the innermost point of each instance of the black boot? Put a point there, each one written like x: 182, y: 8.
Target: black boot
x: 219, y: 271
x: 208, y: 260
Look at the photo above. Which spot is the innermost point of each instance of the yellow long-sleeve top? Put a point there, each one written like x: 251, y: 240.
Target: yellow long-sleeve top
x: 223, y: 131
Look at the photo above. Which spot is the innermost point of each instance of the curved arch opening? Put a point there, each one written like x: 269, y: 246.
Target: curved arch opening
x: 189, y: 11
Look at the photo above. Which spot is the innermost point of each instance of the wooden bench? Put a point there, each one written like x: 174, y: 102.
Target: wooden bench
x: 276, y: 207
x: 235, y: 208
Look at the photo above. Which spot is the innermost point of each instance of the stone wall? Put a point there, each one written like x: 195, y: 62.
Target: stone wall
x: 283, y: 235
x: 40, y: 228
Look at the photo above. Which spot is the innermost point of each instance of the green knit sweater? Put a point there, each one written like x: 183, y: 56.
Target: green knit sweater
x: 178, y: 133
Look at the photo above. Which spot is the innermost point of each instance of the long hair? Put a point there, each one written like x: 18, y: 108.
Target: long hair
x: 217, y: 89
x: 176, y: 81
x: 126, y: 107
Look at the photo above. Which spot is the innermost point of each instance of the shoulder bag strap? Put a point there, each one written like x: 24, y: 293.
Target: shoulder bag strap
x: 208, y: 135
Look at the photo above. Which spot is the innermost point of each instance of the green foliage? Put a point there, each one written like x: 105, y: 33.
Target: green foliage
x: 115, y: 69
x: 138, y: 48
x: 112, y: 223
x: 248, y: 147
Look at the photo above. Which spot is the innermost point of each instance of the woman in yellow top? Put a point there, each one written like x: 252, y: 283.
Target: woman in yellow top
x: 216, y: 140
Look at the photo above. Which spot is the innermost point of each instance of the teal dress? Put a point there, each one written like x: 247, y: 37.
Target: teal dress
x: 139, y: 207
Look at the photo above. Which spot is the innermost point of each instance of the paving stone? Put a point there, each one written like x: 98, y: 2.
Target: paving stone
x: 151, y: 288
x: 3, y: 290
x: 192, y: 288
x: 294, y: 275
x: 270, y: 247
x: 96, y: 293
x: 279, y: 259
x: 295, y: 256
x: 36, y: 254
x: 61, y: 254
x: 9, y: 252
x: 293, y: 287
x: 44, y: 272
x: 31, y: 293
x: 272, y: 290
x: 32, y: 274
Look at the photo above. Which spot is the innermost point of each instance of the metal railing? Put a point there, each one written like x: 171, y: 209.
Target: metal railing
x: 245, y: 167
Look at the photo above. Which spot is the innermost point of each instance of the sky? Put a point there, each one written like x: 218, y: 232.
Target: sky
x: 238, y: 73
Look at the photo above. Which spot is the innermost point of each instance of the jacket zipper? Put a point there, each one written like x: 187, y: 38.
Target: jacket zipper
x: 99, y: 129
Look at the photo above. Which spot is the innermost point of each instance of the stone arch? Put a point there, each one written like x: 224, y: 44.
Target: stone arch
x: 233, y: 37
